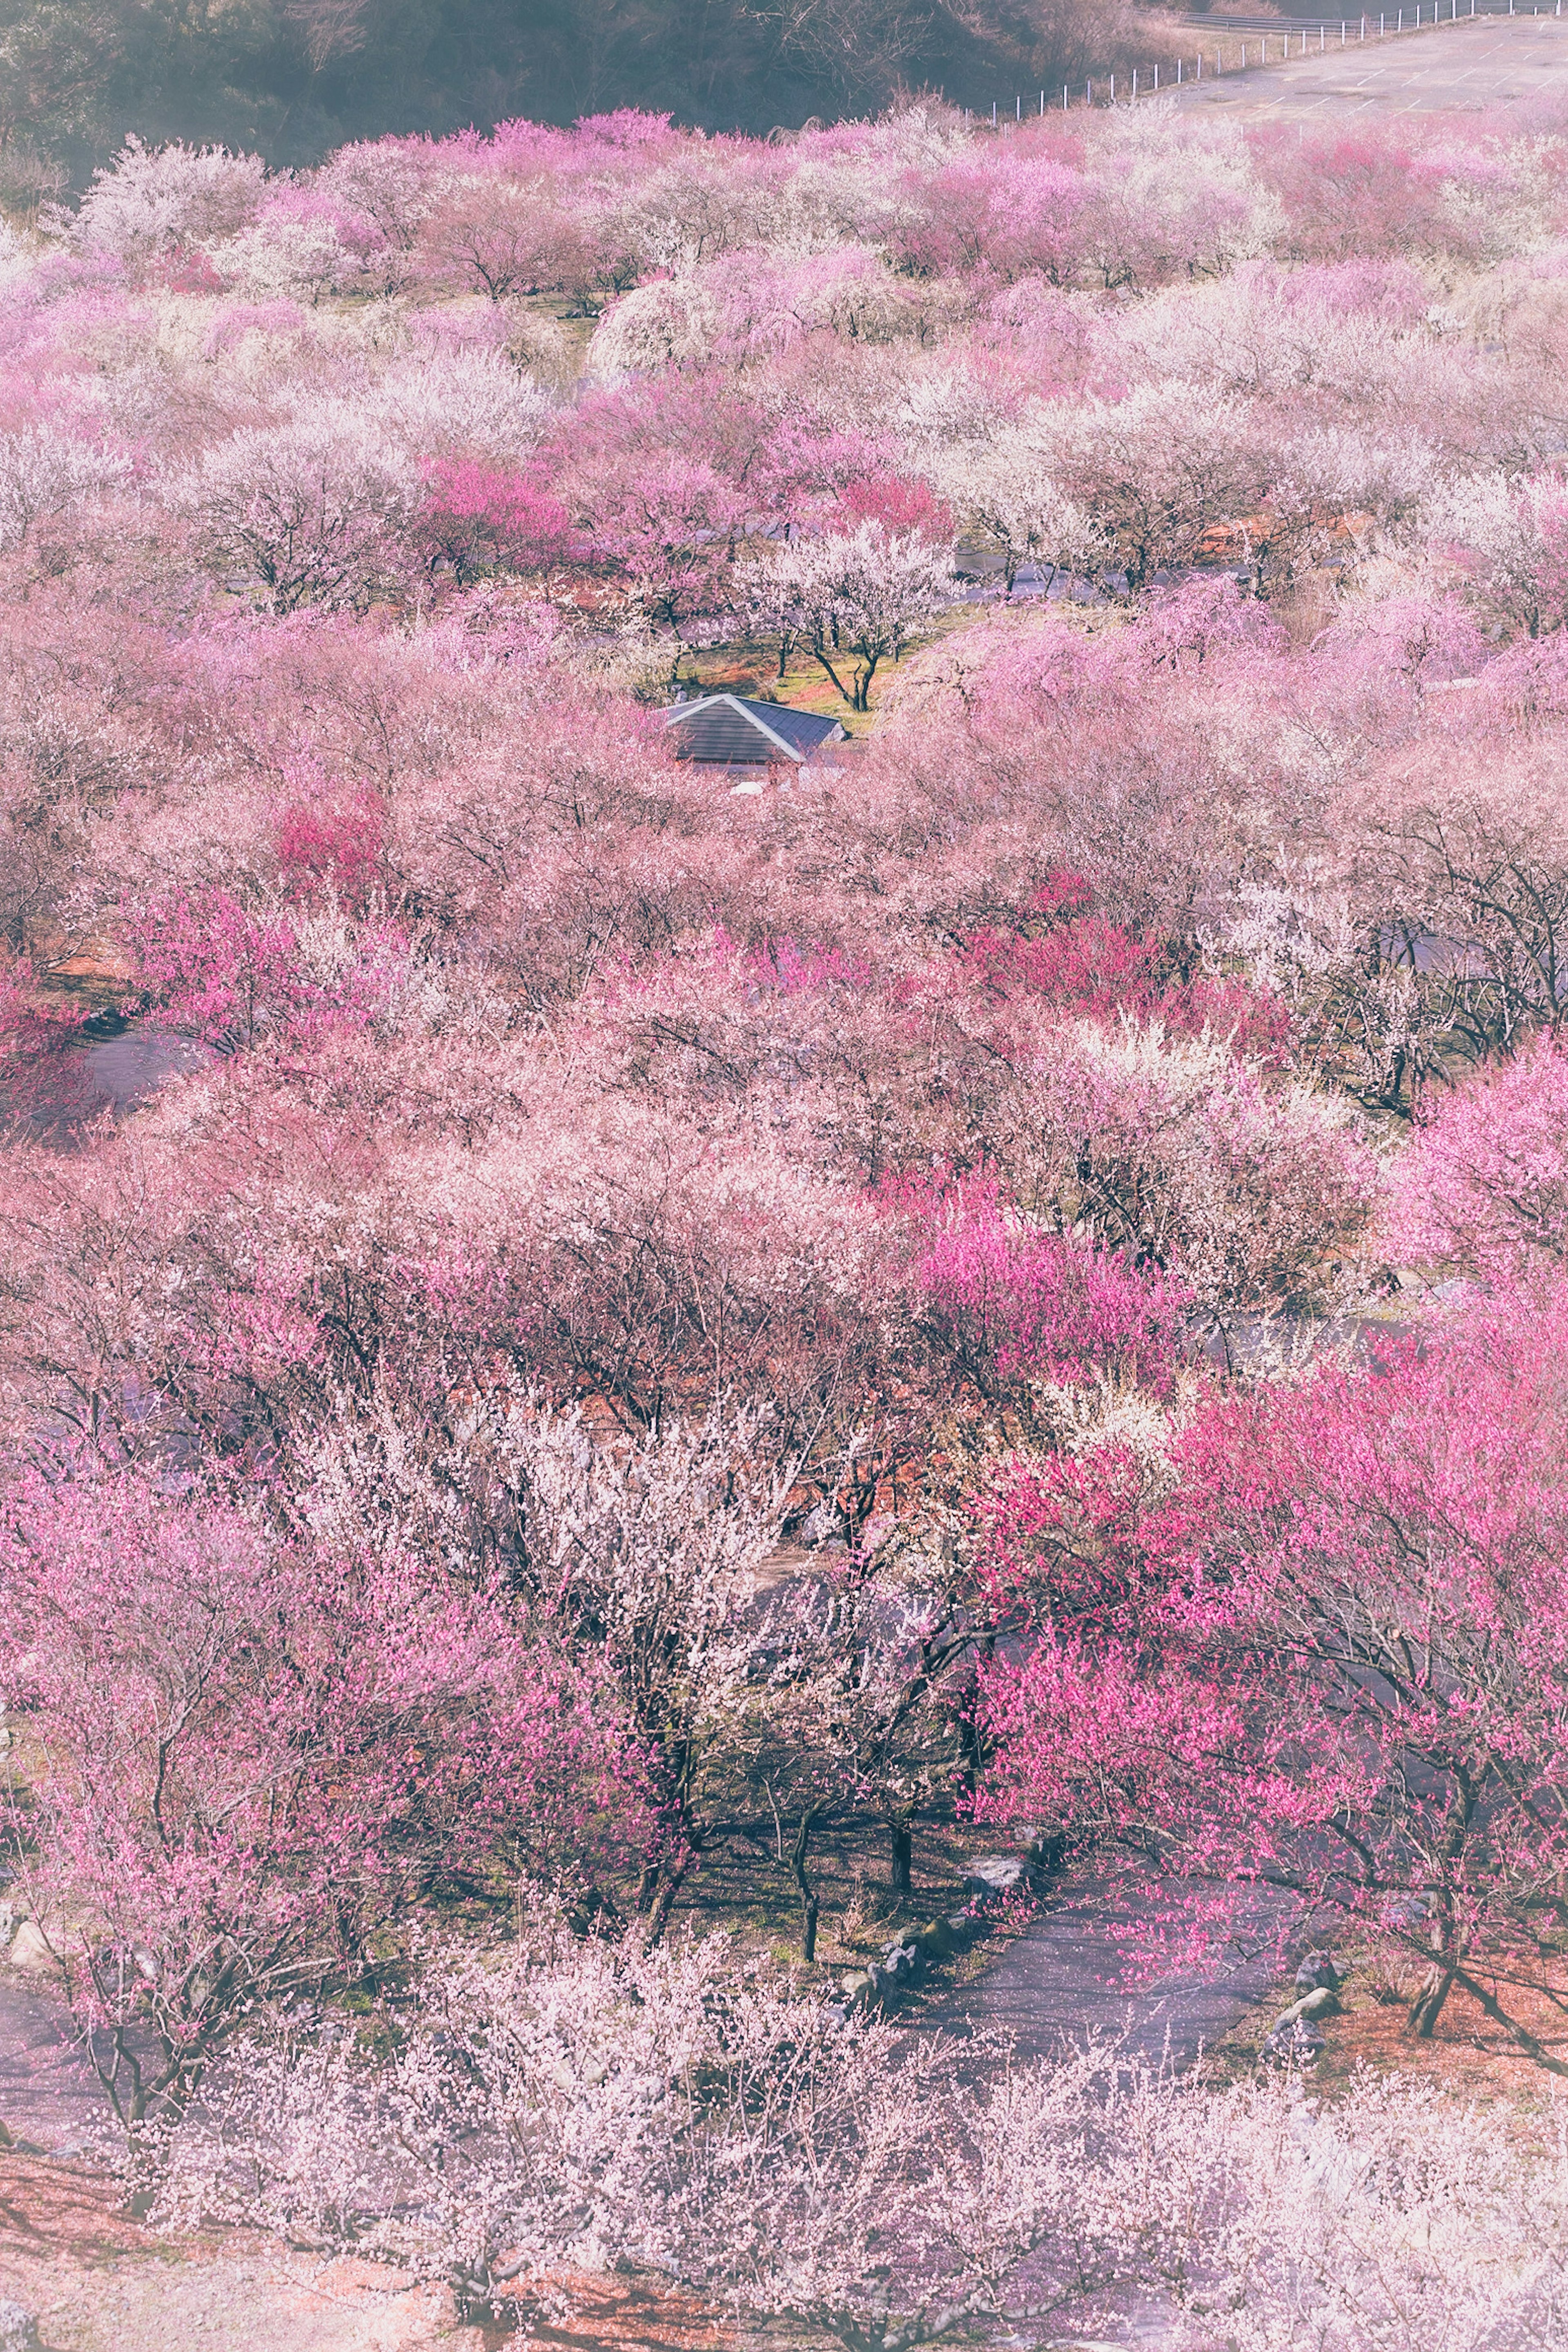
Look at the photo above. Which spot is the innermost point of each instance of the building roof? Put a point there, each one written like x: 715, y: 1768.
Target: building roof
x: 736, y: 733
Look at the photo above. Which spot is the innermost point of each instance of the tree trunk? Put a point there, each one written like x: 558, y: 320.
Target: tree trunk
x: 1427, y: 2005
x: 666, y: 1902
x: 902, y: 1842
x: 809, y: 1898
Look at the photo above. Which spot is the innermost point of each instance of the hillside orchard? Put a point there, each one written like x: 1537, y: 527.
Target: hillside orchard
x: 667, y: 1358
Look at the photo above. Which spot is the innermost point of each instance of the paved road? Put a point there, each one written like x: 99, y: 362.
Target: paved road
x: 116, y: 1068
x: 1500, y: 60
x: 49, y: 2096
x: 1065, y: 1981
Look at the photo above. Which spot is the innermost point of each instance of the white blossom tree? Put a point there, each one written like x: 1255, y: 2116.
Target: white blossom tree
x: 557, y: 2106
x: 282, y: 260
x: 153, y: 200
x: 1153, y: 472
x: 564, y: 2105
x: 1006, y: 499
x: 462, y: 403
x: 43, y: 472
x: 652, y: 1555
x: 1511, y: 537
x: 854, y: 598
x: 311, y: 510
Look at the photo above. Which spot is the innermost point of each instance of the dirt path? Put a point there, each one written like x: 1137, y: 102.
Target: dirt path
x: 95, y: 2282
x: 49, y: 2098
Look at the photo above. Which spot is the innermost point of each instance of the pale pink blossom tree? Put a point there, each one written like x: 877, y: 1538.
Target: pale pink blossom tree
x: 253, y: 1757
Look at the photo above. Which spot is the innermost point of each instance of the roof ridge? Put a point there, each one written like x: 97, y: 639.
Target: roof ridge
x: 736, y: 702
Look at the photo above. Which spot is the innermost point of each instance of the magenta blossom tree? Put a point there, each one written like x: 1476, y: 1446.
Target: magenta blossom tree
x: 1014, y: 1304
x: 476, y: 519
x: 1483, y: 1190
x: 232, y: 974
x: 666, y: 525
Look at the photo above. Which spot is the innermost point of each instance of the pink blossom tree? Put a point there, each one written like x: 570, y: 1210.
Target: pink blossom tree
x: 1331, y: 1662
x: 232, y: 974
x: 667, y: 526
x: 1482, y: 1188
x: 1013, y: 1303
x: 476, y: 521
x: 258, y: 1757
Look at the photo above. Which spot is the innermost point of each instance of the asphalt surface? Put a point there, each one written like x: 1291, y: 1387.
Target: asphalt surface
x: 1067, y: 1981
x: 50, y: 2098
x: 58, y: 1098
x: 1470, y: 66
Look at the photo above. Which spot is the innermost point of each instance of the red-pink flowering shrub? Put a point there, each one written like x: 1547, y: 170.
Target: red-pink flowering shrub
x: 223, y: 971
x: 476, y: 521
x: 1057, y: 1551
x: 1013, y: 217
x: 1336, y: 184
x: 230, y: 976
x: 1082, y: 964
x: 332, y: 845
x: 1014, y: 1304
x: 898, y: 506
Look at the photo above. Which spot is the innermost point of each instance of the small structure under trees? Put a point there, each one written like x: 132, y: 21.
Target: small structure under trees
x: 726, y: 731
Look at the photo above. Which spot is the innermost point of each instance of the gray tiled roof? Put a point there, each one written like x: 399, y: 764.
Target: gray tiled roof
x: 727, y: 727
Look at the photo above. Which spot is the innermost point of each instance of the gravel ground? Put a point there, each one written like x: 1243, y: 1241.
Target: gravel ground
x: 95, y: 2282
